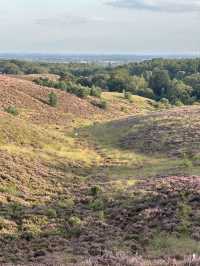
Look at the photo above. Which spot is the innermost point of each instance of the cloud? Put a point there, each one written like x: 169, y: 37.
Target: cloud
x: 178, y: 6
x: 66, y: 20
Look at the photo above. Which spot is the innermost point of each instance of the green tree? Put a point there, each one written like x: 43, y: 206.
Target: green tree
x: 52, y: 99
x: 160, y: 82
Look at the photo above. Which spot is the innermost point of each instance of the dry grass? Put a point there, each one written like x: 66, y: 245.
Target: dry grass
x: 70, y: 186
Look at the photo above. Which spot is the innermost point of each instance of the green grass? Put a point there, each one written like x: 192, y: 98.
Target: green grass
x: 170, y: 245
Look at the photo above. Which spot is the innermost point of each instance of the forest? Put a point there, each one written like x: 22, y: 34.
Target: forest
x: 173, y: 81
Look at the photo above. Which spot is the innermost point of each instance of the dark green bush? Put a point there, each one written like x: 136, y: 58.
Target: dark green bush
x: 52, y: 99
x: 95, y: 190
x: 147, y: 93
x: 102, y: 104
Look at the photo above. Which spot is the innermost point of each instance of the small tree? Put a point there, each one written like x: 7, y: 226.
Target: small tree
x: 52, y: 99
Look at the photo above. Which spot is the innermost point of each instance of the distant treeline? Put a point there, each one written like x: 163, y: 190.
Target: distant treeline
x: 173, y: 80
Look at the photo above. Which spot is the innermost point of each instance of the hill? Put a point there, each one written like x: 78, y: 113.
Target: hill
x: 77, y: 184
x: 33, y: 100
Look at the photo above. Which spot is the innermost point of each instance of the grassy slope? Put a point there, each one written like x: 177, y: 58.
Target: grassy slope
x: 62, y: 187
x: 46, y: 172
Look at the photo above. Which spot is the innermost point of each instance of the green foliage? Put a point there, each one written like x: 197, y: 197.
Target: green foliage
x: 75, y: 226
x: 82, y: 92
x: 12, y: 110
x: 160, y: 82
x: 103, y: 104
x: 52, y: 99
x: 175, y: 80
x: 51, y: 213
x: 164, y: 102
x: 163, y: 244
x: 96, y: 92
x: 147, y: 93
x: 97, y: 205
x: 95, y: 190
x: 187, y: 162
x: 128, y: 96
x: 184, y: 211
x: 178, y: 91
x: 70, y: 87
x: 66, y: 203
x: 74, y: 221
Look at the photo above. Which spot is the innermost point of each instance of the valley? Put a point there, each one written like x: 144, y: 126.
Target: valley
x: 80, y: 182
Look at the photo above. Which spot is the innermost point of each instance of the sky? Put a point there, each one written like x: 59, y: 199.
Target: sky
x: 100, y: 26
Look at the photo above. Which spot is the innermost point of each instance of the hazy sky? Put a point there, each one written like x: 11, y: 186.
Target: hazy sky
x: 108, y: 26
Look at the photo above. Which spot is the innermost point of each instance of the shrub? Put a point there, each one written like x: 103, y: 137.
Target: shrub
x: 187, y: 162
x: 12, y: 110
x: 51, y: 213
x: 96, y: 92
x: 164, y: 102
x: 97, y: 205
x: 75, y: 226
x: 147, y: 93
x: 66, y: 204
x: 95, y: 190
x: 52, y: 99
x: 128, y: 96
x: 82, y: 92
x: 74, y: 221
x: 178, y: 103
x: 101, y: 104
x: 62, y: 85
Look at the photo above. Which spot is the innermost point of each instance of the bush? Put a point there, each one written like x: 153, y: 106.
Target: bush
x: 96, y: 92
x: 102, y: 104
x: 12, y: 110
x: 75, y: 226
x: 82, y: 92
x: 51, y: 213
x: 164, y: 102
x: 97, y: 205
x: 178, y: 103
x: 74, y: 221
x: 52, y: 99
x: 128, y: 96
x: 95, y: 190
x: 147, y: 93
x: 66, y: 204
x: 62, y: 85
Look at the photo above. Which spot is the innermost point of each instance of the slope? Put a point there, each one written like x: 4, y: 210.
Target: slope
x: 74, y: 190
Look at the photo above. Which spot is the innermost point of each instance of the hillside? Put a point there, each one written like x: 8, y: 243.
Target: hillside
x: 80, y: 182
x: 33, y: 100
